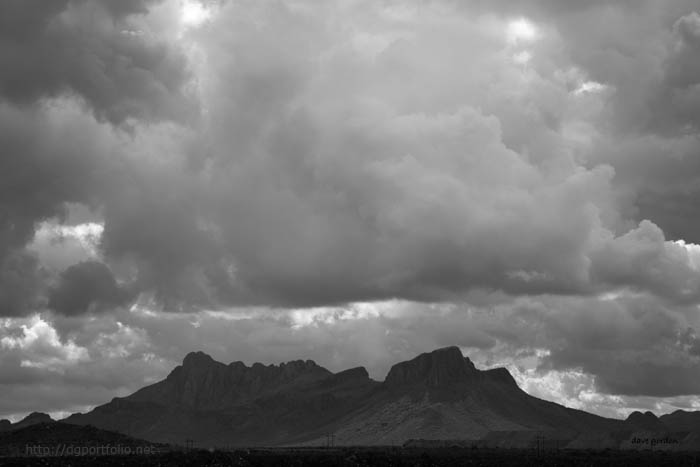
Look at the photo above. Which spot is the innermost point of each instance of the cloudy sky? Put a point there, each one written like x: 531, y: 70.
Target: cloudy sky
x: 351, y: 181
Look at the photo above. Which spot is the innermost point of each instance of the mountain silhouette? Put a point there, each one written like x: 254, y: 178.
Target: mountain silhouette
x: 681, y: 420
x: 436, y: 395
x: 48, y: 434
x: 34, y: 418
x: 645, y: 421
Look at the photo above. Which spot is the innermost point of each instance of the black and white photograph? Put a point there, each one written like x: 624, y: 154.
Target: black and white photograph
x: 349, y: 232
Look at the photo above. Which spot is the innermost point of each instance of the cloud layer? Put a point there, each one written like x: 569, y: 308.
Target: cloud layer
x: 292, y: 158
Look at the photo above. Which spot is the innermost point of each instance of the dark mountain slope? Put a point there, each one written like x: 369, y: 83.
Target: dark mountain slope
x: 645, y: 421
x: 33, y: 418
x: 437, y: 395
x: 48, y: 439
x: 234, y: 404
x: 681, y: 420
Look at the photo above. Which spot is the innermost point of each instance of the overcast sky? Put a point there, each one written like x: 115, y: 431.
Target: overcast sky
x: 354, y: 182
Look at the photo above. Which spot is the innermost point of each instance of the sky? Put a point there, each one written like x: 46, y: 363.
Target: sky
x: 353, y: 182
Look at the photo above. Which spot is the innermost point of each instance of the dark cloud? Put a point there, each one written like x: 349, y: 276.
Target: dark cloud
x: 289, y: 193
x: 46, y: 162
x: 292, y: 202
x: 55, y: 48
x: 51, y: 156
x: 21, y: 283
x: 632, y: 346
x: 643, y: 260
x: 125, y: 7
x: 682, y: 81
x: 308, y: 208
x: 59, y: 56
x: 86, y: 286
x: 22, y: 19
x: 689, y: 341
x: 647, y: 55
x: 656, y: 372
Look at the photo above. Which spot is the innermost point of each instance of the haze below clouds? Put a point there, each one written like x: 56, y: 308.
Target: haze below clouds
x: 354, y: 182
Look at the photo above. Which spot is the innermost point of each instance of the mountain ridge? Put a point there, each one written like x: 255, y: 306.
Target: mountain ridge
x: 34, y: 418
x: 436, y: 395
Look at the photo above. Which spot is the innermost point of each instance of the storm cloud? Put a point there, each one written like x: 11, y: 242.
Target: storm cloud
x: 84, y: 285
x: 322, y: 179
x: 485, y: 174
x: 90, y: 48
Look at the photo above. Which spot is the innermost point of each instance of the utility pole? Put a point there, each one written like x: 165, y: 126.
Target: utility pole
x: 540, y: 439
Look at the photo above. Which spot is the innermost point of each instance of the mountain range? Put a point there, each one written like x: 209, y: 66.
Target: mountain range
x: 436, y: 395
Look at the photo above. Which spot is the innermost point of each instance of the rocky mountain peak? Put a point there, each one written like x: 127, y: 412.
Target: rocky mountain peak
x: 353, y: 375
x: 440, y: 367
x: 39, y: 416
x: 197, y: 359
x: 298, y: 366
x: 645, y: 421
x: 33, y: 419
x: 204, y: 383
x: 637, y: 415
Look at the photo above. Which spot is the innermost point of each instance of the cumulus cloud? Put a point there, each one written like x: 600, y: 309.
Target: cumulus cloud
x: 53, y: 154
x: 632, y: 345
x: 644, y: 260
x: 21, y: 282
x: 44, y: 371
x: 53, y: 48
x: 85, y: 286
x: 58, y: 246
x: 420, y: 188
x: 411, y: 188
x: 288, y: 192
